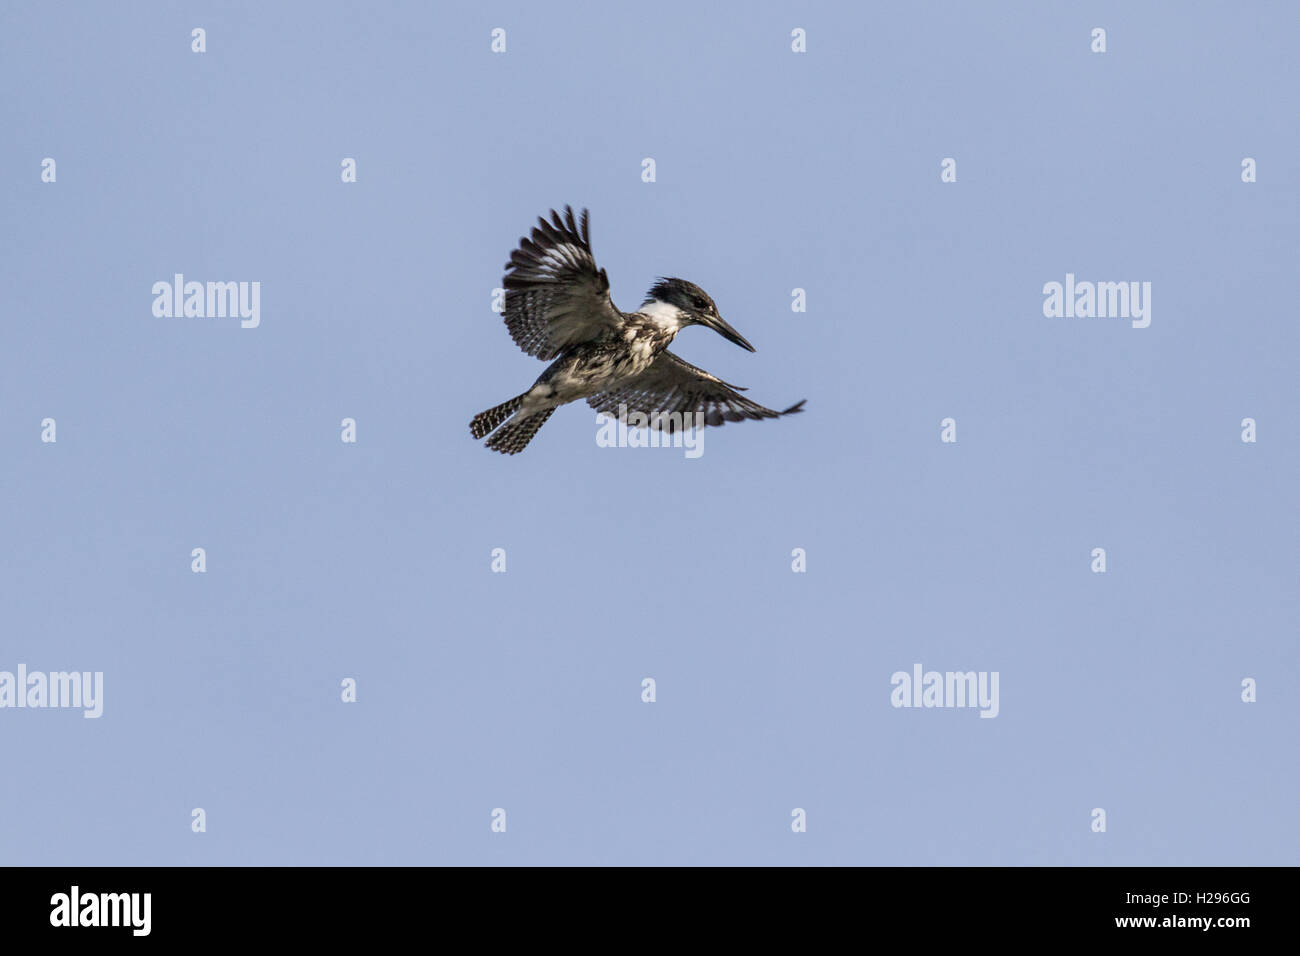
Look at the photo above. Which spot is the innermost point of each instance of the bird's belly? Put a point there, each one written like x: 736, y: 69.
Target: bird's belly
x: 592, y: 372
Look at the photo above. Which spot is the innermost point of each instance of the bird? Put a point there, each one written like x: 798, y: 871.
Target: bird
x: 558, y: 307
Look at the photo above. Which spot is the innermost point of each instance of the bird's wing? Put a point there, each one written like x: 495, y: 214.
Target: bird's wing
x: 671, y: 385
x: 555, y: 295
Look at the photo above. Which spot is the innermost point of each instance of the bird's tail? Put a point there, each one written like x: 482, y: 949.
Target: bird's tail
x: 514, y: 435
x: 484, y: 422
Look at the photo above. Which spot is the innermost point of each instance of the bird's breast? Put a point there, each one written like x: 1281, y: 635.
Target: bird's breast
x: 596, y: 368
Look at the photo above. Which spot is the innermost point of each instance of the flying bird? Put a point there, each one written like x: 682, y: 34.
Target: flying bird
x: 558, y: 307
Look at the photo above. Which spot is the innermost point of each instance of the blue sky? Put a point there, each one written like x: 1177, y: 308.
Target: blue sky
x: 774, y: 171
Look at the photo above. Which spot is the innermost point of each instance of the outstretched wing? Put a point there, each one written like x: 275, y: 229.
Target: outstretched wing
x: 555, y: 295
x: 671, y: 388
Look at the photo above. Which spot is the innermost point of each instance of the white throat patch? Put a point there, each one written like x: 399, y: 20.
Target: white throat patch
x: 667, y: 317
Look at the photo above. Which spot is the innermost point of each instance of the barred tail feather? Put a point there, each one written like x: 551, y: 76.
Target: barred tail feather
x: 485, y: 422
x: 515, y: 435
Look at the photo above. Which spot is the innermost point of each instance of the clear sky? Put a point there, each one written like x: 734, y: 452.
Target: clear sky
x: 775, y: 171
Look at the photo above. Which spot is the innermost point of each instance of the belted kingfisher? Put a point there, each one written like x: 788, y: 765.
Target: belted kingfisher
x: 558, y: 307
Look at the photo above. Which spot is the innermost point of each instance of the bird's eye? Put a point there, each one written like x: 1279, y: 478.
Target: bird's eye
x: 700, y: 304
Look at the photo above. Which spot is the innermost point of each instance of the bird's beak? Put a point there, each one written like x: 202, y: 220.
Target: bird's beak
x: 719, y: 325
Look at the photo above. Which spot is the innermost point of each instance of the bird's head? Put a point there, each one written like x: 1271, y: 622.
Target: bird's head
x: 695, y: 308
